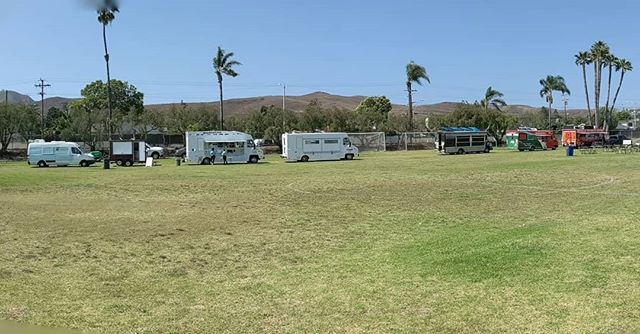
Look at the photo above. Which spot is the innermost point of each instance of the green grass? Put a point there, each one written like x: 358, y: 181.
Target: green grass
x: 393, y: 242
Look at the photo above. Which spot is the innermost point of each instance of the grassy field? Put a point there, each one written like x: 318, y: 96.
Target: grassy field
x: 393, y: 242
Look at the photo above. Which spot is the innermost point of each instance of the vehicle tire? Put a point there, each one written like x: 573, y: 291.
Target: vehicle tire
x: 42, y: 164
x: 532, y: 148
x: 128, y: 163
x: 460, y: 151
x: 206, y: 161
x: 253, y: 159
x: 119, y: 163
x: 304, y: 158
x: 349, y: 156
x: 553, y: 148
x: 84, y: 163
x: 155, y: 155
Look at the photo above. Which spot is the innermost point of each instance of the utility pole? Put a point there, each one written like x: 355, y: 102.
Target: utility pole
x: 284, y: 106
x: 42, y: 86
x: 565, y: 99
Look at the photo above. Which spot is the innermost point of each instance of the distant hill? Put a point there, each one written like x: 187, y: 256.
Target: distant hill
x: 244, y: 106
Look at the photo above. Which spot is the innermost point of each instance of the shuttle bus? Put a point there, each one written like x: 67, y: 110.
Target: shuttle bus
x: 463, y: 140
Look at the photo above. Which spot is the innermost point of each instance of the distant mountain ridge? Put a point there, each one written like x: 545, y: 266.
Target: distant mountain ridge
x: 244, y: 106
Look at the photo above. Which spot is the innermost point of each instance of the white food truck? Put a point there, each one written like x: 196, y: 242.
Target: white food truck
x: 58, y: 153
x: 239, y: 146
x: 303, y: 146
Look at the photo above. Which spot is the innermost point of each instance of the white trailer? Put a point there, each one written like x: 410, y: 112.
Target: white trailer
x: 239, y: 146
x: 58, y: 153
x: 302, y: 146
x: 128, y: 152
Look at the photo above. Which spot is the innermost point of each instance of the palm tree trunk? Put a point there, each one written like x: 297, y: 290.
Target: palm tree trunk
x: 615, y: 97
x: 607, y: 112
x: 410, y: 105
x: 596, y: 81
x: 550, y: 102
x: 106, y: 58
x: 586, y: 91
x: 221, y: 106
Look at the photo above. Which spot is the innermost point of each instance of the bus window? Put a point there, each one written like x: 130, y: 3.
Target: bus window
x: 346, y: 142
x: 477, y: 141
x: 450, y: 141
x: 464, y: 141
x: 250, y: 143
x: 522, y: 136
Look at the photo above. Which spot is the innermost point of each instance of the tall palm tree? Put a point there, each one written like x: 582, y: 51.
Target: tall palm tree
x: 493, y: 98
x: 599, y: 51
x: 609, y: 61
x: 223, y: 65
x: 583, y: 58
x: 415, y: 73
x: 106, y: 14
x: 623, y: 66
x: 549, y: 84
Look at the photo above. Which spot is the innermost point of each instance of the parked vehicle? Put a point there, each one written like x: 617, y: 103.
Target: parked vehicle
x: 616, y: 140
x: 154, y: 151
x: 57, y: 153
x: 98, y: 155
x: 463, y: 140
x: 584, y: 137
x: 239, y: 146
x: 128, y: 152
x: 299, y: 146
x: 536, y: 140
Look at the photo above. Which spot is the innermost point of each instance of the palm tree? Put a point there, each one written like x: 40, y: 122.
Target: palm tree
x: 415, y: 73
x: 599, y: 52
x: 222, y: 64
x: 550, y: 84
x: 583, y: 58
x: 493, y: 98
x: 609, y: 61
x: 624, y: 66
x: 106, y: 14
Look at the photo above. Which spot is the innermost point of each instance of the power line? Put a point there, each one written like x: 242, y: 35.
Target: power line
x: 42, y: 86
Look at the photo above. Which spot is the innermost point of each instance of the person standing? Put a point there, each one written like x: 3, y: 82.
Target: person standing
x: 212, y: 153
x: 224, y: 156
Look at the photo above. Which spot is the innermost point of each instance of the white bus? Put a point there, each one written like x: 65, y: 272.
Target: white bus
x: 314, y: 146
x: 58, y: 153
x: 239, y: 146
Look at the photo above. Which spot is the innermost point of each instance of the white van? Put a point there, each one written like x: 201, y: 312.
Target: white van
x: 58, y: 153
x: 315, y: 146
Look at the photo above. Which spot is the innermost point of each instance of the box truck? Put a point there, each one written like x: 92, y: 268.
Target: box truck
x: 57, y: 153
x: 315, y: 146
x: 239, y: 147
x: 128, y: 152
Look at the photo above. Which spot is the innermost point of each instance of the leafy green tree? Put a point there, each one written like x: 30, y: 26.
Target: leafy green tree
x: 85, y: 125
x: 106, y: 14
x: 582, y: 59
x: 493, y: 98
x: 127, y: 102
x: 549, y: 85
x: 415, y: 73
x: 223, y: 65
x: 55, y: 121
x: 16, y: 119
x: 313, y: 118
x: 373, y: 112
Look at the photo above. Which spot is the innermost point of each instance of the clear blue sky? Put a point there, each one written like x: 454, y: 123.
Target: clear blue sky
x: 346, y: 47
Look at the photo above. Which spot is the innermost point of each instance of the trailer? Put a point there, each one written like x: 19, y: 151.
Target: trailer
x: 238, y: 146
x: 463, y: 140
x: 316, y: 146
x: 128, y: 152
x: 531, y: 140
x: 580, y: 138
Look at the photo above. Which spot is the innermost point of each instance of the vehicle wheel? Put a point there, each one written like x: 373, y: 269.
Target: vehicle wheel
x: 128, y: 163
x: 532, y: 148
x: 304, y: 158
x: 349, y: 157
x: 206, y: 161
x: 521, y: 149
x: 155, y: 155
x: 460, y: 151
x: 253, y: 159
x: 84, y: 163
x: 119, y: 162
x: 553, y: 148
x: 42, y: 164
